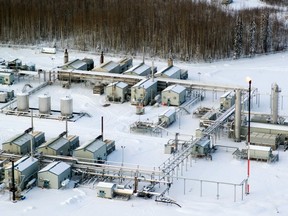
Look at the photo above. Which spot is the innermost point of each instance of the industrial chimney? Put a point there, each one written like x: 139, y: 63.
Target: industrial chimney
x: 170, y: 62
x: 274, y: 103
x: 102, y: 58
x: 66, y: 58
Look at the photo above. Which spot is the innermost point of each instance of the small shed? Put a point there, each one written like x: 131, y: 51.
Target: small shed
x: 76, y: 64
x: 117, y: 91
x: 143, y: 92
x: 109, y: 67
x: 92, y: 151
x: 105, y: 189
x: 6, y: 78
x: 260, y: 152
x: 167, y: 118
x: 25, y: 169
x: 21, y: 143
x: 140, y: 70
x: 202, y: 147
x: 54, y: 174
x: 59, y: 145
x: 174, y: 95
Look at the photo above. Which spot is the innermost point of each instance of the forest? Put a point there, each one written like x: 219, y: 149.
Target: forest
x: 187, y: 30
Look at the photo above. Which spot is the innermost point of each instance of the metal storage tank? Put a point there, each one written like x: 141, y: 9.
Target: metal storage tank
x: 44, y: 104
x: 23, y: 102
x: 66, y: 106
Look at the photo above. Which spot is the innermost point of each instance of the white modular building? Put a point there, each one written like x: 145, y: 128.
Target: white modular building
x: 173, y: 95
x: 105, y: 189
x: 140, y: 70
x: 117, y: 92
x: 21, y: 143
x: 167, y: 118
x: 59, y: 145
x: 25, y: 169
x: 143, y: 92
x: 54, y: 175
x: 92, y: 151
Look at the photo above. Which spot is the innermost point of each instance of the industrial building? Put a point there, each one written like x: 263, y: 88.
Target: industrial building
x: 105, y: 189
x: 92, y: 151
x: 117, y: 92
x: 172, y: 71
x: 21, y: 143
x: 263, y: 139
x: 76, y: 64
x: 227, y: 100
x: 140, y: 70
x: 167, y: 118
x: 6, y: 95
x: 60, y: 145
x: 25, y: 169
x: 173, y: 95
x: 89, y: 62
x: 54, y: 174
x: 6, y: 78
x: 202, y: 147
x: 143, y: 92
x: 260, y: 153
x: 114, y: 67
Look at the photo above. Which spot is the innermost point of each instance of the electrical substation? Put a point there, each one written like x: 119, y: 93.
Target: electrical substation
x: 30, y: 159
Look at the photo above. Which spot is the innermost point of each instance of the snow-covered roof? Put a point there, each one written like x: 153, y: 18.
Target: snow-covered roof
x: 110, y: 65
x: 175, y: 88
x: 145, y: 83
x: 91, y: 146
x: 77, y: 63
x: 169, y: 71
x: 269, y: 126
x: 119, y: 84
x: 169, y: 113
x: 56, y: 167
x: 24, y: 164
x: 56, y: 143
x: 106, y: 185
x: 20, y: 139
x: 139, y: 69
x: 259, y: 148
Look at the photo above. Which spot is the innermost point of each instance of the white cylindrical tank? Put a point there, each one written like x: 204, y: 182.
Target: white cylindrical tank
x: 275, y: 100
x: 23, y: 102
x: 44, y: 104
x: 237, y: 130
x: 66, y: 106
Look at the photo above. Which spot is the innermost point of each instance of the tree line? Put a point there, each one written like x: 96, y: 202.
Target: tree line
x: 187, y: 30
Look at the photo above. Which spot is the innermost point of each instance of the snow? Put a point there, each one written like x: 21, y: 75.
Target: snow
x: 268, y: 192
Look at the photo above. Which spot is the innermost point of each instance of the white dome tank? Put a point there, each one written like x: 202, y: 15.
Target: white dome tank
x: 66, y: 106
x: 23, y: 102
x: 44, y: 104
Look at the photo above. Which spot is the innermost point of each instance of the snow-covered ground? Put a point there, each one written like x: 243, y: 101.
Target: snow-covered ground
x: 267, y: 181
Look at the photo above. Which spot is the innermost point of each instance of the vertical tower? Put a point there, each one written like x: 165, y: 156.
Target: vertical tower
x: 274, y: 103
x: 238, y: 116
x: 66, y: 57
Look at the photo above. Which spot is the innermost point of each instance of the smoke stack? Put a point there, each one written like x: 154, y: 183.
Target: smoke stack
x: 153, y: 71
x: 102, y: 128
x: 275, y: 100
x: 66, y: 58
x: 170, y: 62
x: 102, y: 58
